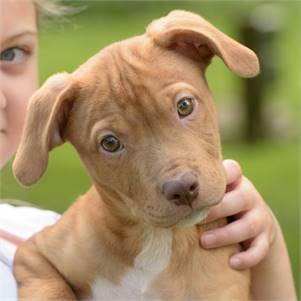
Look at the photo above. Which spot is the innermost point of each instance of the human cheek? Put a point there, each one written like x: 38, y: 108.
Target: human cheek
x: 19, y: 89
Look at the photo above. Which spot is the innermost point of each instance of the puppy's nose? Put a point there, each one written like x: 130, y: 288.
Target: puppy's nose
x: 182, y: 190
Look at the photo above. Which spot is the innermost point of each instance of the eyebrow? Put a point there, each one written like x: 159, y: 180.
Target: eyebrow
x: 20, y: 34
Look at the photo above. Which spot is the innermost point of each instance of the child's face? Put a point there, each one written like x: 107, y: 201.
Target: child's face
x: 18, y: 69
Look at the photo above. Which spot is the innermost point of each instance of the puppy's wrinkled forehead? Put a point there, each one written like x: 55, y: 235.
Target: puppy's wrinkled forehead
x: 138, y: 80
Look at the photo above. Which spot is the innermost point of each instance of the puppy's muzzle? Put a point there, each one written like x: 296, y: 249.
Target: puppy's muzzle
x: 182, y: 189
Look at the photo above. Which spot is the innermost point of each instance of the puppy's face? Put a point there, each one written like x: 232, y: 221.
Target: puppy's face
x: 147, y: 132
x: 142, y: 119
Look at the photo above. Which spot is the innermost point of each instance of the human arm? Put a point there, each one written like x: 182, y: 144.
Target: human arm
x: 272, y: 279
x: 256, y: 228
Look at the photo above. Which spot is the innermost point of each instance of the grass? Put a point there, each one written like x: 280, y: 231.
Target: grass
x: 272, y: 166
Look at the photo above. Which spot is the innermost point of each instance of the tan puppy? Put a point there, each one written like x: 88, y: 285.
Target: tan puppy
x: 142, y: 119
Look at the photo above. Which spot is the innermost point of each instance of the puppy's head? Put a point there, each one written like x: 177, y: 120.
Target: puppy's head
x: 142, y: 119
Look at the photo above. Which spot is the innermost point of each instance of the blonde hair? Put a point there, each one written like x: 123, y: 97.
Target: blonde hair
x: 53, y: 9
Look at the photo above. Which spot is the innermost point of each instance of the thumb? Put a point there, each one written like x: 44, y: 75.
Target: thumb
x: 233, y: 171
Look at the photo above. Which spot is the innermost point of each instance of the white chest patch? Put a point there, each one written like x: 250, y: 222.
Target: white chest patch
x: 150, y: 262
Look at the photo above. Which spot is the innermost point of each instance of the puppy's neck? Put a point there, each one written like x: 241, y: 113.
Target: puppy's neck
x: 139, y: 244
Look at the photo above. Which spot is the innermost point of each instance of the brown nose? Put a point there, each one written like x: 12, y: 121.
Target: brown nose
x: 182, y: 190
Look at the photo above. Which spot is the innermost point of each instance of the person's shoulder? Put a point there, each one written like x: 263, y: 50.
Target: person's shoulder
x: 17, y: 203
x: 22, y: 220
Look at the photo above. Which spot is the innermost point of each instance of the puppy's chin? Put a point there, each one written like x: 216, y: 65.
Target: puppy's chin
x: 190, y: 219
x: 193, y: 218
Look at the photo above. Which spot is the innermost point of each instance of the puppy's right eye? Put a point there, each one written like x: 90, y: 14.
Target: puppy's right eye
x: 185, y: 106
x: 111, y: 144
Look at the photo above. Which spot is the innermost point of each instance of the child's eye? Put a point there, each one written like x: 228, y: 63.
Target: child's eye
x: 13, y: 55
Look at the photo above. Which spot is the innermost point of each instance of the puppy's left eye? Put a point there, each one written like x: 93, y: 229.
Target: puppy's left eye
x: 111, y: 144
x: 185, y: 106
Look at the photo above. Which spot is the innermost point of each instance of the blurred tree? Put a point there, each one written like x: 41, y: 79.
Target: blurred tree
x: 258, y: 32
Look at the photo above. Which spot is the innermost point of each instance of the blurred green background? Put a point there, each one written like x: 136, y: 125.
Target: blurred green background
x: 271, y: 163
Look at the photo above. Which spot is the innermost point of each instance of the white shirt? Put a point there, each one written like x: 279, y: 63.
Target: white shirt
x: 21, y: 222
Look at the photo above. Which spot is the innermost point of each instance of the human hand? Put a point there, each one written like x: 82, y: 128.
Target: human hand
x: 254, y: 225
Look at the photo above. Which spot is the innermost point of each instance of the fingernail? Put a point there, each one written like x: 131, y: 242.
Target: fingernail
x: 235, y: 262
x: 208, y: 239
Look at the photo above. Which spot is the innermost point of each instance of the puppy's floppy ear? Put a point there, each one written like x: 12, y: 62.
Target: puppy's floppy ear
x: 46, y: 118
x: 184, y: 30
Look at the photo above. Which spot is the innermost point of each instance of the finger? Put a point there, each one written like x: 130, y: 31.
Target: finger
x: 231, y: 204
x: 241, y: 230
x: 252, y: 256
x: 233, y: 171
x: 239, y: 200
